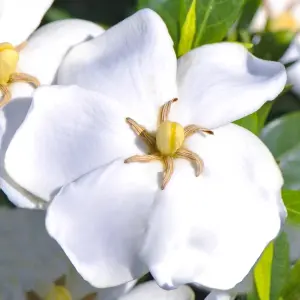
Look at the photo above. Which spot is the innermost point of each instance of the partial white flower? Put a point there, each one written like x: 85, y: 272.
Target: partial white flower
x: 284, y: 15
x: 115, y: 222
x: 31, y: 262
x: 35, y: 62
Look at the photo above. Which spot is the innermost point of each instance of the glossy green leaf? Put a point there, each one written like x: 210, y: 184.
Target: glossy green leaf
x: 282, y: 136
x: 262, y: 273
x: 250, y: 122
x: 215, y: 18
x: 291, y: 201
x: 255, y: 122
x: 188, y: 31
x: 280, y: 266
x: 291, y: 290
x: 272, y: 270
x: 248, y: 13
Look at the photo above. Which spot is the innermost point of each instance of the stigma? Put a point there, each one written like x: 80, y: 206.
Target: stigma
x: 9, y: 58
x: 169, y: 137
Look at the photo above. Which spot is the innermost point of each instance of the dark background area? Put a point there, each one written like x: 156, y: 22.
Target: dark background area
x: 107, y: 12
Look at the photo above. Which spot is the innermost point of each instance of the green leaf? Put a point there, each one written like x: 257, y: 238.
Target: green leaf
x: 272, y: 270
x: 291, y: 201
x: 250, y: 122
x: 280, y: 266
x: 55, y: 14
x: 262, y: 273
x: 256, y: 121
x: 282, y: 136
x: 273, y: 45
x: 215, y: 18
x: 291, y: 290
x: 248, y: 13
x: 188, y: 31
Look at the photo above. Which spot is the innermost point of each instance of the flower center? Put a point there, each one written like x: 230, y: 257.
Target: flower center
x: 169, y: 137
x: 168, y: 143
x: 285, y: 21
x: 9, y: 58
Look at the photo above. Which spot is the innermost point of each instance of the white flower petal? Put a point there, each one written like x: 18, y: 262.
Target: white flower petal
x: 13, y: 114
x: 12, y: 291
x: 99, y: 221
x: 19, y: 18
x: 47, y: 47
x: 132, y: 62
x: 28, y: 254
x: 79, y: 288
x: 294, y: 77
x: 150, y: 291
x: 211, y: 230
x: 67, y: 133
x: 223, y: 82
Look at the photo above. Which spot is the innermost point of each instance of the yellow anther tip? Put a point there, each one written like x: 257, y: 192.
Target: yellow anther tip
x: 58, y: 293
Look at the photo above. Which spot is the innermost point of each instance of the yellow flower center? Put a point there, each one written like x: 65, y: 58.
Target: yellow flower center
x: 169, y: 137
x: 168, y: 143
x: 285, y: 21
x: 58, y: 293
x: 9, y: 58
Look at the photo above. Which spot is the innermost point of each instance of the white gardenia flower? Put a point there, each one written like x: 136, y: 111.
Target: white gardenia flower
x: 221, y: 201
x: 284, y: 15
x: 24, y: 64
x: 31, y: 263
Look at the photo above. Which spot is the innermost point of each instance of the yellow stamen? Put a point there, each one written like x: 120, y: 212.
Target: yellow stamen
x: 58, y: 293
x: 9, y: 58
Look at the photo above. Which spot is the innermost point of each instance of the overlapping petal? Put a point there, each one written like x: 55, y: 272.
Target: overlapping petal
x: 223, y: 82
x: 132, y: 62
x: 28, y: 255
x: 19, y: 18
x: 67, y: 133
x: 211, y: 230
x: 100, y: 221
x: 47, y: 47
